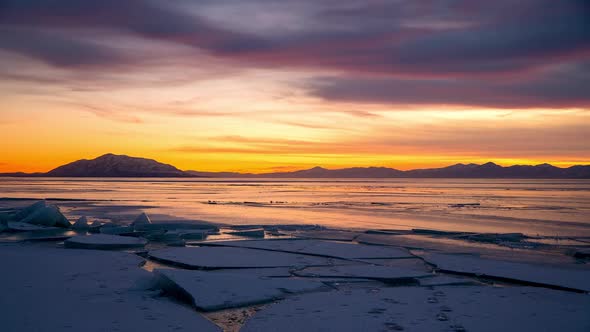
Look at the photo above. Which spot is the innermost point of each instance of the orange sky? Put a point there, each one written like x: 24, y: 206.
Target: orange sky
x: 301, y: 84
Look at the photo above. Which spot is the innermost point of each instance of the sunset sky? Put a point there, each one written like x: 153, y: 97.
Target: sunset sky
x: 265, y: 85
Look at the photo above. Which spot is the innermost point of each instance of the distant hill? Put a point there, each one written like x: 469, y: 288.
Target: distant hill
x: 110, y: 165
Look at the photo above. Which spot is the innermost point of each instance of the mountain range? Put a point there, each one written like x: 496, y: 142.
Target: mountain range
x: 111, y: 165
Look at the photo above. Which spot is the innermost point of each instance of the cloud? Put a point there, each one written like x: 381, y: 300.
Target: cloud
x: 453, y: 52
x: 462, y: 139
x: 560, y: 87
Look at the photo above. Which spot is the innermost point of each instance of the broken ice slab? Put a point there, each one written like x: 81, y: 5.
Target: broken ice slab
x: 452, y: 308
x: 445, y: 280
x: 494, y: 237
x: 257, y: 232
x: 564, y: 276
x: 274, y: 272
x: 334, y: 235
x: 387, y: 274
x: 229, y: 257
x: 112, y: 229
x: 190, y: 234
x: 170, y: 226
x: 210, y: 291
x: 46, y: 215
x: 48, y: 289
x: 320, y: 248
x: 24, y: 212
x: 104, y: 242
x: 16, y: 226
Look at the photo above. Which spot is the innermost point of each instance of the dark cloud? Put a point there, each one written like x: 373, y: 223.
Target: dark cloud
x: 57, y: 49
x: 448, y: 51
x: 560, y: 87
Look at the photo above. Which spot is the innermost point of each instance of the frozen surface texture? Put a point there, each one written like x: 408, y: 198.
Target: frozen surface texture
x: 104, y: 241
x: 470, y: 308
x: 230, y: 257
x: 84, y: 290
x: 383, y: 273
x: 572, y: 277
x: 321, y: 248
x: 214, y: 291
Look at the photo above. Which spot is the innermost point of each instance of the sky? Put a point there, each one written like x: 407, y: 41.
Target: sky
x: 268, y: 85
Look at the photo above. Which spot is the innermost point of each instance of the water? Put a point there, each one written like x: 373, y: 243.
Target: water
x: 544, y: 207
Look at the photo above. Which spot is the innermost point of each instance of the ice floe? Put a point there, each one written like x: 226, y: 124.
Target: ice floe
x: 456, y: 308
x: 320, y: 248
x: 387, y: 274
x: 215, y: 291
x: 257, y: 232
x: 45, y: 289
x: 335, y: 235
x: 570, y: 277
x: 104, y: 241
x: 230, y: 257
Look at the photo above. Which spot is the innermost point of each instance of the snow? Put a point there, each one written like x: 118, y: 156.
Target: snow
x: 215, y: 291
x: 228, y: 257
x: 46, y: 289
x: 451, y: 308
x: 577, y: 278
x: 320, y: 248
x: 382, y: 273
x: 104, y: 241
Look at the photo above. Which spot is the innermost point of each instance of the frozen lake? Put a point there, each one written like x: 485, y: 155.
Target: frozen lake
x: 544, y: 207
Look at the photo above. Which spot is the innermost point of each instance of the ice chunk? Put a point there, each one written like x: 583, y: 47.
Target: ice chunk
x: 104, y: 241
x: 190, y: 234
x: 382, y: 273
x: 116, y: 230
x: 257, y: 232
x: 335, y: 235
x: 17, y: 226
x: 46, y: 289
x: 170, y: 226
x: 142, y: 219
x: 455, y: 308
x: 226, y: 257
x: 211, y: 291
x: 320, y: 248
x: 46, y: 215
x: 23, y: 213
x: 81, y: 223
x: 570, y: 277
